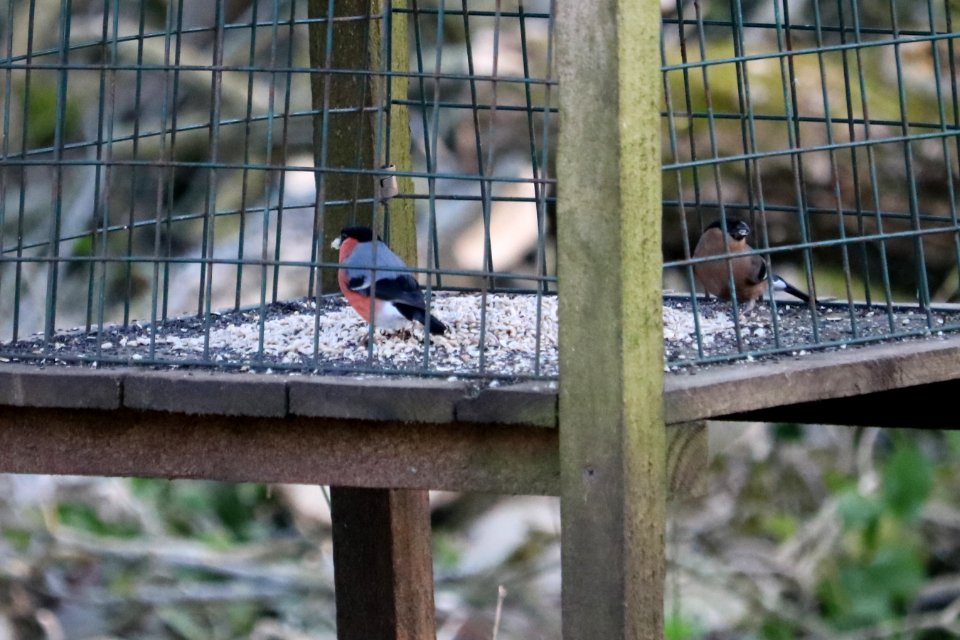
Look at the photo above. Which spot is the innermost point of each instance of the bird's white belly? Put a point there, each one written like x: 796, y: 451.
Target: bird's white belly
x: 387, y: 317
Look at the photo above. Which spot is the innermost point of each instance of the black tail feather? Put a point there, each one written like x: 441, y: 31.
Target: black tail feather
x: 783, y: 285
x: 437, y: 327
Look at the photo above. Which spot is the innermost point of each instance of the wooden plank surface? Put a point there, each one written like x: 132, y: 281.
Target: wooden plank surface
x: 383, y: 567
x: 516, y: 459
x: 612, y: 436
x: 731, y: 390
x: 124, y: 442
x: 785, y: 387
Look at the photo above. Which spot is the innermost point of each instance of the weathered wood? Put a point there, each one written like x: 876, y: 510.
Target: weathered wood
x: 514, y: 459
x: 61, y: 388
x: 383, y: 570
x: 377, y: 399
x: 736, y: 389
x: 687, y: 458
x: 457, y: 457
x: 612, y: 436
x: 401, y: 212
x: 346, y: 138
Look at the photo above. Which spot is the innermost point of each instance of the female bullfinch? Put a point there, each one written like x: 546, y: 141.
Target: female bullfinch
x: 397, y: 296
x: 749, y: 272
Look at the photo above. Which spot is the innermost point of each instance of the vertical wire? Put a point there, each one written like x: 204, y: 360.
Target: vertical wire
x: 267, y: 182
x: 247, y: 130
x: 832, y: 155
x: 692, y: 142
x: 358, y: 162
x: 923, y: 293
x: 434, y: 141
x: 952, y: 61
x: 320, y: 211
x: 542, y: 200
x: 284, y: 138
x: 539, y: 183
x: 486, y: 187
x: 714, y: 150
x: 53, y: 271
x: 98, y: 170
x: 487, y: 283
x: 362, y: 117
x: 691, y: 120
x: 681, y: 203
x: 137, y: 96
x: 872, y: 165
x: 854, y: 155
x: 788, y: 81
x: 5, y: 151
x: 108, y: 174
x: 754, y: 173
x: 164, y: 155
x: 428, y: 152
x: 24, y: 142
x: 941, y: 112
x: 171, y: 176
x: 389, y: 71
x: 208, y: 248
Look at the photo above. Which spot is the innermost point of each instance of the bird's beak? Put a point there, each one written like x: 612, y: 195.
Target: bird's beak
x: 335, y: 245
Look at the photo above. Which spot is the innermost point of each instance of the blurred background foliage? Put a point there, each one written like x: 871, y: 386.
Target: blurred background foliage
x: 807, y: 532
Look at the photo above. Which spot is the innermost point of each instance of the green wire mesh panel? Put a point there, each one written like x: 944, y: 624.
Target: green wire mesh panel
x: 833, y: 130
x: 173, y: 173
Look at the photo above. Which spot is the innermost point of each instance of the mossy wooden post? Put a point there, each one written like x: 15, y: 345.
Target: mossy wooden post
x: 346, y: 139
x: 382, y: 551
x: 612, y: 436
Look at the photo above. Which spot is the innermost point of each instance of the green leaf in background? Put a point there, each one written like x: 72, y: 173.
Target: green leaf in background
x: 84, y: 517
x: 777, y: 629
x: 857, y: 510
x: 907, y: 481
x: 679, y: 627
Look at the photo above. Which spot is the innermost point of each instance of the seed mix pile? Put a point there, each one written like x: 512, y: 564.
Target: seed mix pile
x: 329, y: 337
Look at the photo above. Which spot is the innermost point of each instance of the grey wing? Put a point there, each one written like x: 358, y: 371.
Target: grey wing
x: 389, y: 266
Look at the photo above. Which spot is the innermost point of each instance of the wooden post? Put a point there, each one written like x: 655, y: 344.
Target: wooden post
x: 381, y: 541
x: 612, y: 436
x: 383, y: 566
x: 347, y: 138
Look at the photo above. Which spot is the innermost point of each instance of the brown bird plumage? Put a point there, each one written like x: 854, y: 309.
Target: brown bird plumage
x: 750, y: 275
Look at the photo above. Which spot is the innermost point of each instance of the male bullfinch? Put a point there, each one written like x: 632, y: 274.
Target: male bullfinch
x: 750, y: 275
x: 397, y: 296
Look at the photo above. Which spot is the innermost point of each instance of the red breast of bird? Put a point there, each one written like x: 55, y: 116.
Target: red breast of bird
x: 385, y: 314
x: 377, y: 283
x: 749, y: 272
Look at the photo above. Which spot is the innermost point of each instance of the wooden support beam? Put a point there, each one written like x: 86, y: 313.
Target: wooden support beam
x: 347, y: 139
x: 612, y: 436
x: 383, y: 570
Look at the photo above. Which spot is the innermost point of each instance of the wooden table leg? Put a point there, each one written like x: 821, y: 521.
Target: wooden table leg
x: 382, y: 564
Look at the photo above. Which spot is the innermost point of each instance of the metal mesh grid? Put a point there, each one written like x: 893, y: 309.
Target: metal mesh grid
x: 832, y: 129
x: 166, y: 162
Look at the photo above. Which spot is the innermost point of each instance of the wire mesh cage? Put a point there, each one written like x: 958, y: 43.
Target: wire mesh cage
x: 173, y: 174
x: 831, y: 130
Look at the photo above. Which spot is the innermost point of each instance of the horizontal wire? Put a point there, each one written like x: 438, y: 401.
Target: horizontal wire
x: 812, y: 51
x: 816, y: 244
x: 820, y: 148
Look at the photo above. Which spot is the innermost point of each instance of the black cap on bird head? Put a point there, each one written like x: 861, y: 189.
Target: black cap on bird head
x: 738, y: 229
x: 360, y: 234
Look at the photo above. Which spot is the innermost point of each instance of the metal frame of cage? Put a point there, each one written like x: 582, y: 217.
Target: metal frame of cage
x: 611, y: 451
x: 820, y: 133
x: 350, y: 143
